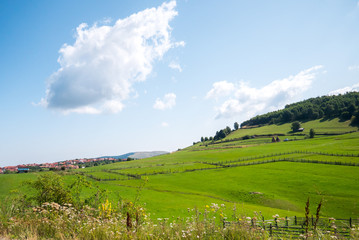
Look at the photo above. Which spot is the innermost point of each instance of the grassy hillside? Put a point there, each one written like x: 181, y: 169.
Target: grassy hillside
x: 252, y: 175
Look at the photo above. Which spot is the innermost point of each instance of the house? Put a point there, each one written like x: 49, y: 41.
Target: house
x: 10, y: 169
x: 1, y: 171
x: 23, y: 170
x: 300, y: 129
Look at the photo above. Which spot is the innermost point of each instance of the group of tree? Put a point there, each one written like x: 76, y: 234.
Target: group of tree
x: 221, y: 133
x: 343, y: 106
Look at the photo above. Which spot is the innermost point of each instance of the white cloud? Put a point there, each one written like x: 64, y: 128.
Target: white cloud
x: 353, y: 67
x: 175, y: 66
x: 97, y: 72
x: 164, y: 124
x: 354, y: 88
x: 221, y: 89
x: 241, y: 99
x: 168, y: 102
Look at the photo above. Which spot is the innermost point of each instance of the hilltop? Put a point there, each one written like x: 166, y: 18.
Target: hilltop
x: 245, y: 173
x: 342, y: 107
x: 138, y: 155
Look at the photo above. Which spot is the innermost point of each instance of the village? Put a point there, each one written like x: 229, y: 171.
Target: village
x: 58, y: 166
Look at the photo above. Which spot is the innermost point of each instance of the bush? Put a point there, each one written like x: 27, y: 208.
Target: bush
x: 311, y: 133
x: 50, y: 187
x: 295, y: 126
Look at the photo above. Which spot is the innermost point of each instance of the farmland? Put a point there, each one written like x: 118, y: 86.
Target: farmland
x: 274, y: 178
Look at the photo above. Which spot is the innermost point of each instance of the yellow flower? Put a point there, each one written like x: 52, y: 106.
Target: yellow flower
x: 207, y: 206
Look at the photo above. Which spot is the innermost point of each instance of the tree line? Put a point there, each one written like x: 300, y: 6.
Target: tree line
x: 343, y: 106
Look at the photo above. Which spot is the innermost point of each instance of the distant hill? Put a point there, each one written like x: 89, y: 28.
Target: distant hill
x: 345, y: 107
x: 138, y: 155
x: 340, y: 106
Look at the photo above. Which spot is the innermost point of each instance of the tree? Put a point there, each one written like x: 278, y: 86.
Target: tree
x: 345, y: 115
x: 236, y: 126
x: 311, y: 133
x: 202, y: 139
x: 227, y: 130
x: 287, y: 116
x: 50, y: 187
x: 206, y: 139
x: 295, y: 126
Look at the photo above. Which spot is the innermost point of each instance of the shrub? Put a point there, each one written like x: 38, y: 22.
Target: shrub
x: 311, y: 133
x: 295, y: 126
x: 50, y: 187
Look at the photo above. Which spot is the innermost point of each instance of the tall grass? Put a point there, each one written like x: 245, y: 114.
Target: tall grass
x: 126, y: 220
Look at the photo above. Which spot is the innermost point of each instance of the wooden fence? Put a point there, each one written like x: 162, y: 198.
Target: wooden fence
x: 297, y: 227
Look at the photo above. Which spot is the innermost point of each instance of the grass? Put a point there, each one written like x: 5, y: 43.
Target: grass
x: 187, y: 179
x: 320, y: 126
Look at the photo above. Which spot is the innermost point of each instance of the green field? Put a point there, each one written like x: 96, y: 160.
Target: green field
x: 252, y: 175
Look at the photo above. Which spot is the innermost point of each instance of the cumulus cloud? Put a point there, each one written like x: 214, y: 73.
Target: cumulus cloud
x: 175, y: 66
x: 168, y: 102
x: 97, y: 72
x: 242, y: 99
x: 354, y: 88
x: 221, y: 89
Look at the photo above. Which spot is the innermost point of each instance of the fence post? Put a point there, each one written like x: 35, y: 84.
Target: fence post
x: 295, y: 220
x: 286, y: 221
x: 270, y: 230
x: 276, y: 223
x: 350, y: 222
x: 312, y: 221
x: 263, y: 223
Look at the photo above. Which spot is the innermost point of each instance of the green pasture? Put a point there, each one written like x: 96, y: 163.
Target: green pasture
x: 320, y: 126
x: 262, y: 135
x: 195, y: 177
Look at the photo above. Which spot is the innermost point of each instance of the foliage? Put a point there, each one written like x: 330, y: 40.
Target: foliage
x: 344, y: 106
x: 311, y: 133
x: 295, y: 126
x: 50, y: 187
x: 236, y: 126
x: 125, y: 220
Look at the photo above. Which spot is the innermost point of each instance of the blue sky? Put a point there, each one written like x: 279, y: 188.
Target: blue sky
x: 90, y: 78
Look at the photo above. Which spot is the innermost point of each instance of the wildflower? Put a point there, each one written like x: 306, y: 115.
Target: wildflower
x: 207, y: 206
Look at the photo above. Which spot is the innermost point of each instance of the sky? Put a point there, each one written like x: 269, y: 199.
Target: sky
x: 88, y: 78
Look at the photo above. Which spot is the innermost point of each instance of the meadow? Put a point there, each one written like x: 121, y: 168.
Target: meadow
x: 270, y: 178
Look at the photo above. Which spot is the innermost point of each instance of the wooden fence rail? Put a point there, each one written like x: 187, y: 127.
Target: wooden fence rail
x: 295, y: 226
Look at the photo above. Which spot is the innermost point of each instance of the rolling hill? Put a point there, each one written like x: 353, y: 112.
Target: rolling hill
x: 137, y: 155
x: 249, y: 174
